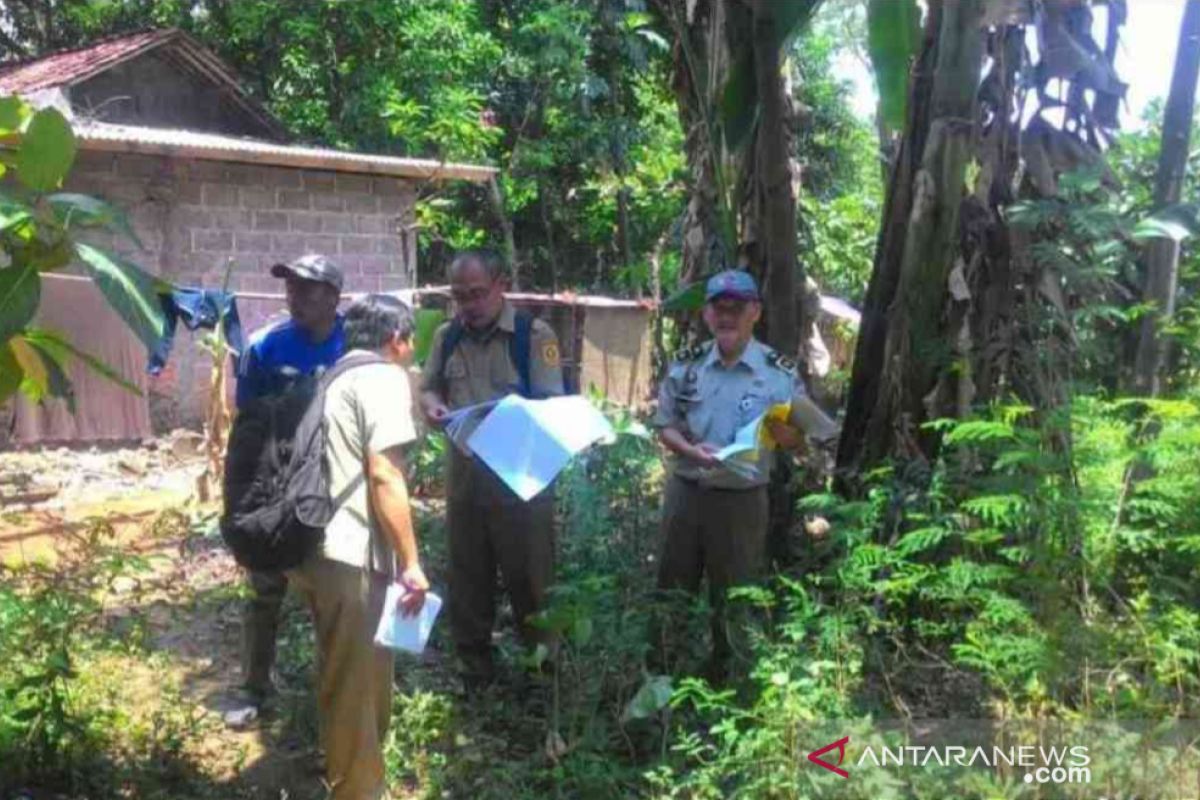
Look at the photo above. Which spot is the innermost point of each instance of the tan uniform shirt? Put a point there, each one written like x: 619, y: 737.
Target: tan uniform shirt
x: 481, y: 369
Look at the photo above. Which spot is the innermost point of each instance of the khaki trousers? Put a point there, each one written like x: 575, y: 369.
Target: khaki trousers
x: 354, y: 677
x: 489, y: 529
x: 718, y: 533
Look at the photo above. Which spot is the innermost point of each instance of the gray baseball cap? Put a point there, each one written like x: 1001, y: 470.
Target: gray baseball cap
x: 733, y: 283
x: 311, y: 267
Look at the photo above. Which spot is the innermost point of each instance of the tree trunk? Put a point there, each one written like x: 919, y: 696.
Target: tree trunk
x: 1162, y: 256
x: 773, y: 168
x: 701, y: 65
x: 548, y: 228
x: 496, y: 196
x: 889, y: 248
x: 913, y: 350
x: 620, y: 145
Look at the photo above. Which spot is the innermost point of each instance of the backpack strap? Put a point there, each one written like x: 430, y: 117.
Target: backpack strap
x: 454, y: 335
x: 519, y: 347
x: 344, y: 365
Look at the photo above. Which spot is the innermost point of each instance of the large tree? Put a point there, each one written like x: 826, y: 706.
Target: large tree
x: 1162, y: 256
x: 736, y: 108
x: 953, y: 310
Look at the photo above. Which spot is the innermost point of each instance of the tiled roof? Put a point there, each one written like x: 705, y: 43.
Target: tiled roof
x: 60, y: 70
x: 72, y: 66
x: 216, y: 147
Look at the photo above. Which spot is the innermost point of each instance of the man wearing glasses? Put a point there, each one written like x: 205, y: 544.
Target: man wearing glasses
x: 487, y: 351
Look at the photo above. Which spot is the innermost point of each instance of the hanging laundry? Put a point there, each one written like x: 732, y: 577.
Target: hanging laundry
x: 195, y: 308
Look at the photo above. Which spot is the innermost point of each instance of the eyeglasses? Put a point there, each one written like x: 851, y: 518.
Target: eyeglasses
x: 472, y: 295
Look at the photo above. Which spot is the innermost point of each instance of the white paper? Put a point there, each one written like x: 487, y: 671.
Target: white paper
x: 399, y: 632
x: 745, y: 441
x: 461, y: 423
x: 528, y: 442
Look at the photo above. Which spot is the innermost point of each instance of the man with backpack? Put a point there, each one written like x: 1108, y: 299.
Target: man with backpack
x: 486, y: 352
x: 367, y: 422
x: 309, y: 341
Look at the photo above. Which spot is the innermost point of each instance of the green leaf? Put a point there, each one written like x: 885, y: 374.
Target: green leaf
x: 13, y: 214
x: 739, y: 101
x: 581, y: 630
x: 61, y: 350
x: 11, y: 374
x: 637, y: 19
x: 20, y: 291
x: 47, y: 151
x: 739, y: 96
x: 131, y: 291
x: 81, y: 209
x: 13, y: 113
x: 35, y: 383
x: 54, y: 364
x: 1176, y: 222
x: 427, y: 322
x: 651, y: 698
x: 689, y: 298
x: 893, y: 36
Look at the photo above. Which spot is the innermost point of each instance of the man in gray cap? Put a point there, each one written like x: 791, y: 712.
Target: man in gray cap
x: 714, y: 517
x: 307, y: 342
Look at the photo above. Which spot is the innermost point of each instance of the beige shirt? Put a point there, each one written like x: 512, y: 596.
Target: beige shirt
x: 367, y: 409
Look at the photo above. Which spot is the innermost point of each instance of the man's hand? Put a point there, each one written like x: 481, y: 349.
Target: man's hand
x: 415, y: 586
x: 436, y: 414
x: 785, y: 435
x: 704, y: 453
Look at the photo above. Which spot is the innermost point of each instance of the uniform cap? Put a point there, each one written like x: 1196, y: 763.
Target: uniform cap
x: 733, y: 283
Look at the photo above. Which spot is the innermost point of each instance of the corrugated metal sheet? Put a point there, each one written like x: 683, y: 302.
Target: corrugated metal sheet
x: 195, y: 144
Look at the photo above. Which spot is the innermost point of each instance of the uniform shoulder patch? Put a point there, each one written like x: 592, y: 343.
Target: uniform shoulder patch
x: 781, y: 362
x: 549, y: 353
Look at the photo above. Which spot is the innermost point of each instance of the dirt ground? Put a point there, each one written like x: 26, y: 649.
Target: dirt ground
x: 165, y: 658
x: 182, y: 603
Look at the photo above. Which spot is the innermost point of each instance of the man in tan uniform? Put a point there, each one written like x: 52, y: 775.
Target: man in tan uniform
x: 487, y: 351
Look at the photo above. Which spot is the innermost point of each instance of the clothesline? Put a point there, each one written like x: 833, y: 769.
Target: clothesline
x: 242, y: 295
x: 566, y: 298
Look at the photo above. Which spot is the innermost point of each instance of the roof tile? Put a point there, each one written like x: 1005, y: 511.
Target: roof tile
x: 72, y: 66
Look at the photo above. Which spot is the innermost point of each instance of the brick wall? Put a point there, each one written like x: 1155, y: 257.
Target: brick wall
x: 193, y: 216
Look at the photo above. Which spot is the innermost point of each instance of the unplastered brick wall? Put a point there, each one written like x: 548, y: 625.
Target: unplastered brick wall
x: 195, y: 216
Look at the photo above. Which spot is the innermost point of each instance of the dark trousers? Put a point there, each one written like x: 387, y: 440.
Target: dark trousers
x: 489, y: 534
x: 260, y: 626
x: 716, y: 533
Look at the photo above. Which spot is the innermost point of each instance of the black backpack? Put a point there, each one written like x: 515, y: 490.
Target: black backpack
x: 277, y: 501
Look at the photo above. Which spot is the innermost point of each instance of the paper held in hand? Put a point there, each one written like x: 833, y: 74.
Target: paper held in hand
x: 528, y: 442
x: 754, y: 435
x: 802, y: 414
x: 462, y: 422
x: 399, y: 632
